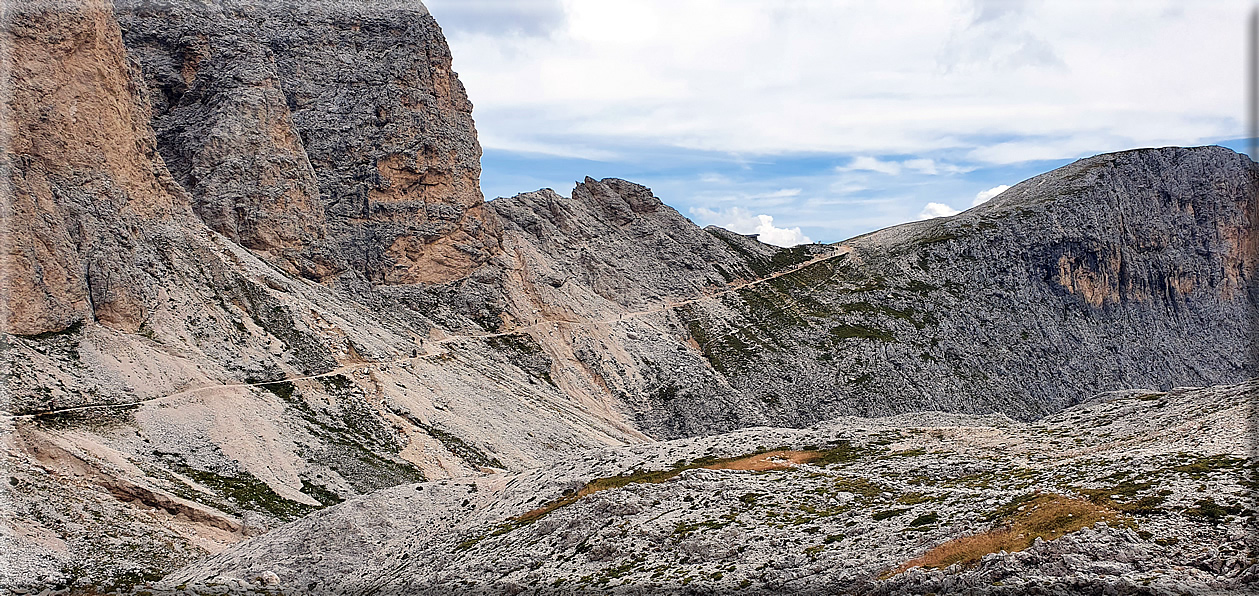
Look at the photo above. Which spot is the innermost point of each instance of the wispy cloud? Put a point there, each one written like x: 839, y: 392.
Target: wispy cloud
x: 894, y: 167
x: 871, y: 164
x: 751, y: 81
x: 884, y: 109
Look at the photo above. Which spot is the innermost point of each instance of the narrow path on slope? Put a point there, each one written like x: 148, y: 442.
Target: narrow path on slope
x: 349, y: 368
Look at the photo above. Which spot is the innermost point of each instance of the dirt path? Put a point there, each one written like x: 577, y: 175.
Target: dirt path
x: 349, y: 368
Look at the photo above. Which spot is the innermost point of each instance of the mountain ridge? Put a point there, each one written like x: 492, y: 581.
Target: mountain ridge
x: 220, y: 319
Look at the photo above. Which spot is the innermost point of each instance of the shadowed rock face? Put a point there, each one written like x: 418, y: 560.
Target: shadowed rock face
x: 292, y: 122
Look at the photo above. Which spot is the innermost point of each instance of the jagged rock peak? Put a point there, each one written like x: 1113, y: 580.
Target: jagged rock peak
x: 619, y: 198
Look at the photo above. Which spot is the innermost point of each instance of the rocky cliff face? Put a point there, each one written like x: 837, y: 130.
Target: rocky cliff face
x: 85, y: 203
x: 289, y: 122
x: 168, y: 391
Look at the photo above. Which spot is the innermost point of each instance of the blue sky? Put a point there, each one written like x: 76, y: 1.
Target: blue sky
x: 824, y: 119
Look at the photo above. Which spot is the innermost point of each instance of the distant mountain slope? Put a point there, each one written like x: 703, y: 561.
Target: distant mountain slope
x: 1121, y: 270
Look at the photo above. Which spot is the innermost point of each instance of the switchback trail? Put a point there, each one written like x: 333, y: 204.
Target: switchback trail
x: 350, y: 368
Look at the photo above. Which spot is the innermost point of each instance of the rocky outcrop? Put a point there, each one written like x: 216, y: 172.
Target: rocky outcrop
x: 620, y: 242
x: 747, y: 512
x: 293, y: 121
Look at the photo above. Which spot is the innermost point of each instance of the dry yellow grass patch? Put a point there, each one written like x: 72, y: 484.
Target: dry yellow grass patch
x: 773, y: 460
x: 778, y: 459
x: 1046, y: 516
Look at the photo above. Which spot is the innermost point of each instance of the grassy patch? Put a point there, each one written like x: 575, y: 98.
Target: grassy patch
x: 791, y: 257
x: 913, y: 498
x: 1207, y: 464
x: 281, y: 389
x: 888, y: 514
x: 925, y: 519
x: 1047, y: 517
x: 336, y: 383
x: 320, y: 493
x: 1213, y: 511
x: 858, y: 486
x: 760, y: 461
x: 246, y: 491
x: 908, y: 453
x: 1124, y: 497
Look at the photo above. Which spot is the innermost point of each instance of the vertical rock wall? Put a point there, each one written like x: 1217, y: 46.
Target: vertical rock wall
x: 85, y: 198
x: 289, y: 122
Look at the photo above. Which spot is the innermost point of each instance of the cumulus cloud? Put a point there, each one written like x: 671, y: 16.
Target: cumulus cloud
x: 984, y: 196
x: 738, y: 219
x: 933, y: 210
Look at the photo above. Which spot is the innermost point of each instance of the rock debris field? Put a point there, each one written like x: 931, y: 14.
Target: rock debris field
x: 1158, y: 481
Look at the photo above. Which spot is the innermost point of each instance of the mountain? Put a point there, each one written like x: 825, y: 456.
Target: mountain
x: 249, y: 275
x: 1121, y: 270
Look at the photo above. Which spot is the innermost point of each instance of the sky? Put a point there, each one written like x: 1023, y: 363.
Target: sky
x: 819, y: 120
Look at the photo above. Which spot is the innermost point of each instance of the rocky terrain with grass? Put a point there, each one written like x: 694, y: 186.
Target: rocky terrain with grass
x: 1133, y: 492
x: 248, y: 275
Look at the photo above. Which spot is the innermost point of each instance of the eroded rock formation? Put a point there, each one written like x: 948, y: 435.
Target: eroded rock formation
x: 86, y: 204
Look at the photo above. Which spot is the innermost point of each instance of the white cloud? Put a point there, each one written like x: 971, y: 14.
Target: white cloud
x: 738, y: 219
x: 932, y: 167
x: 784, y: 193
x: 1036, y: 80
x: 519, y: 145
x: 937, y: 210
x: 929, y: 167
x: 984, y: 196
x: 871, y: 164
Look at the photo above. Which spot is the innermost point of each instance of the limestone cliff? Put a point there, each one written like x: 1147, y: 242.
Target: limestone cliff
x: 166, y: 390
x: 84, y: 203
x: 293, y: 121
